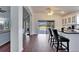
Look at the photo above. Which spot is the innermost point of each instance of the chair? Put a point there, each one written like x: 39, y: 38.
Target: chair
x: 51, y: 39
x: 59, y: 41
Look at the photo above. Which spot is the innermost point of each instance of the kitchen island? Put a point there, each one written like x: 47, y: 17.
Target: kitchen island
x: 74, y: 40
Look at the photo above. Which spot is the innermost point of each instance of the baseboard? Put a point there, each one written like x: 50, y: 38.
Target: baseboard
x: 4, y: 44
x: 21, y: 50
x: 33, y: 34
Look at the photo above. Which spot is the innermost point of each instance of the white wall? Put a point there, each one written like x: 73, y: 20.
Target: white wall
x: 20, y: 26
x: 16, y: 29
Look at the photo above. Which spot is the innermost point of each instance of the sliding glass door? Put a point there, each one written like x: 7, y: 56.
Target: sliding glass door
x: 43, y: 26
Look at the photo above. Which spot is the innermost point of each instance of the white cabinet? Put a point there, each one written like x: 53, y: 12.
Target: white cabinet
x: 70, y: 20
x: 74, y: 41
x: 64, y: 22
x: 73, y: 20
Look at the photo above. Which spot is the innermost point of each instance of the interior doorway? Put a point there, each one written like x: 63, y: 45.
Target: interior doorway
x: 26, y: 22
x: 26, y: 26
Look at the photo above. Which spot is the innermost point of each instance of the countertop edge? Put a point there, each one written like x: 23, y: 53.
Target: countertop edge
x: 69, y: 33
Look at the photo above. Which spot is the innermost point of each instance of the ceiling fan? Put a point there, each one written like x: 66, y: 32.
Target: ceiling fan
x: 2, y: 11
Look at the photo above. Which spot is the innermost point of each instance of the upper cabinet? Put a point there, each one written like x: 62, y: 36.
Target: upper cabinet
x: 64, y: 21
x: 73, y: 20
x: 69, y: 20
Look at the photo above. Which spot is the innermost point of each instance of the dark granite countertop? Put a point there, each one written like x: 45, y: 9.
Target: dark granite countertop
x: 70, y: 32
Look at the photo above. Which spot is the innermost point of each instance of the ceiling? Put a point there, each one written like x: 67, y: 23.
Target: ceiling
x: 55, y: 9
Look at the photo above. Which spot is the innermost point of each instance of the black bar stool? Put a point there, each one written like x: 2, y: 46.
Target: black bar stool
x: 51, y: 38
x: 59, y: 41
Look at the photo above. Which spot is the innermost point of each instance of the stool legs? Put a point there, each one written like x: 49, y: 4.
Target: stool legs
x: 49, y: 38
x: 53, y: 42
x: 57, y: 46
x: 61, y: 44
x: 50, y: 41
x: 67, y: 46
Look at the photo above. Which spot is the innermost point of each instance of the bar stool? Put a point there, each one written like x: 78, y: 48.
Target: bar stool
x: 51, y: 38
x: 59, y: 41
